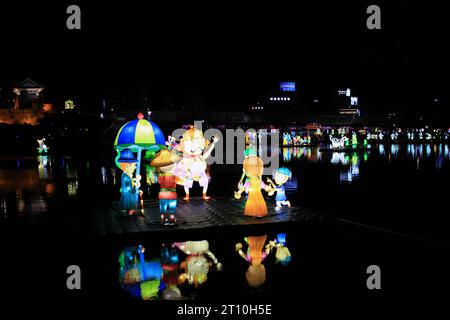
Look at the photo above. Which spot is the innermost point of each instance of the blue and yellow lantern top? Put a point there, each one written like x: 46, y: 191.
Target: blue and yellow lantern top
x: 140, y: 133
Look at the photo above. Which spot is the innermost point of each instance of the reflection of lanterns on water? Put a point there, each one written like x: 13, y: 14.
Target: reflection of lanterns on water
x: 141, y: 278
x: 365, y: 156
x: 3, y: 209
x: 351, y: 173
x: 257, y: 252
x: 256, y: 272
x: 428, y: 150
x: 104, y: 175
x: 72, y: 188
x: 287, y: 155
x: 410, y: 150
x: 439, y: 161
x: 196, y: 265
x: 20, y: 201
x: 282, y: 253
x: 43, y: 167
x: 50, y: 189
x: 297, y: 153
x: 71, y: 173
x: 256, y: 275
x: 394, y: 149
x: 197, y: 268
x: 339, y: 158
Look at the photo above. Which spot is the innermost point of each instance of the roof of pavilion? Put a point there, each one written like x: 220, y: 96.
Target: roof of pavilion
x: 28, y: 84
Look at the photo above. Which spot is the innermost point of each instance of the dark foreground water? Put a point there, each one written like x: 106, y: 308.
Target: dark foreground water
x: 387, y: 206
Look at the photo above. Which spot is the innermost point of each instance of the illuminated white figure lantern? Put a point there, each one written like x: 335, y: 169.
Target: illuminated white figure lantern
x: 338, y: 143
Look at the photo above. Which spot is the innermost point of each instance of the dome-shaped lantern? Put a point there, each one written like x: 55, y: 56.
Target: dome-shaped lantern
x: 140, y: 133
x: 137, y: 135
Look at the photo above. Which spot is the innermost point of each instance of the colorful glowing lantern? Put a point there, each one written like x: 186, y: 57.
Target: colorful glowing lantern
x: 338, y: 143
x: 193, y: 165
x: 281, y: 176
x: 138, y: 135
x: 253, y: 170
x: 129, y: 186
x: 42, y: 149
x: 165, y: 162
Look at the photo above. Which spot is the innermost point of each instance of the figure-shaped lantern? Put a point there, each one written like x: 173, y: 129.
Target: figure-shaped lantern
x: 129, y: 186
x: 337, y: 143
x: 42, y: 149
x: 281, y: 176
x: 354, y: 139
x: 253, y: 168
x: 165, y: 162
x: 193, y: 165
x: 139, y: 135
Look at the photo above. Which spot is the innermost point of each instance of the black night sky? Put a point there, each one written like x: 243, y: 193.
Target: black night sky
x: 228, y: 54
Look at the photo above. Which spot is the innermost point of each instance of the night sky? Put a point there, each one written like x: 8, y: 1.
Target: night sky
x: 228, y: 54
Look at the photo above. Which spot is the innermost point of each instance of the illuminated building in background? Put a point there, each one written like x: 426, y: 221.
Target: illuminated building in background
x: 350, y: 112
x: 68, y: 105
x: 27, y: 104
x: 28, y: 95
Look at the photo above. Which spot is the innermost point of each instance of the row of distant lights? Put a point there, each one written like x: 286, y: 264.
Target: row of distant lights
x: 257, y: 108
x: 280, y: 98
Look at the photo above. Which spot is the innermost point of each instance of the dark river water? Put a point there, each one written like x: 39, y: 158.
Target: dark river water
x: 387, y: 206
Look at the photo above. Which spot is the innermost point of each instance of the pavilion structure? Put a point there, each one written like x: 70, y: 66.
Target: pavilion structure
x: 27, y: 104
x: 27, y: 95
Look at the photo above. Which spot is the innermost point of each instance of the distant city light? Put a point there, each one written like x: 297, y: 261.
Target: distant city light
x: 287, y: 86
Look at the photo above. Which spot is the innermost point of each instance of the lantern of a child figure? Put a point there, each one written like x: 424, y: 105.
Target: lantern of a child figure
x: 129, y: 186
x: 165, y: 162
x: 193, y: 165
x: 281, y: 176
